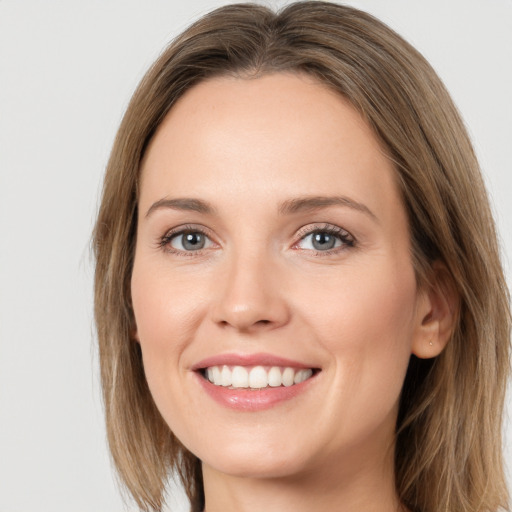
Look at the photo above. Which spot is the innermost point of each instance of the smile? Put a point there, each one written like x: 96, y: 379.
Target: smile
x: 256, y: 377
x: 254, y: 382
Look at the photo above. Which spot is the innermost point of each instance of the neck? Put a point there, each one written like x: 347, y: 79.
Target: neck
x: 357, y: 483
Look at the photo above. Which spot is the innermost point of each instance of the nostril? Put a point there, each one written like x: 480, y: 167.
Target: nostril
x: 250, y: 314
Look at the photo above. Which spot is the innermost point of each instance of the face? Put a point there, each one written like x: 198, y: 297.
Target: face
x: 275, y: 300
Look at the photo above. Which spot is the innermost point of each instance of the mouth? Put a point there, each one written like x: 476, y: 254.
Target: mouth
x: 256, y: 377
x: 254, y: 382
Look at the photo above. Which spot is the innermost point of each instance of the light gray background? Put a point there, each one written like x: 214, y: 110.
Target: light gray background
x: 67, y: 70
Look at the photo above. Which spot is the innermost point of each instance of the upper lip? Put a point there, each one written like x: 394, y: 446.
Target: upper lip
x: 260, y: 359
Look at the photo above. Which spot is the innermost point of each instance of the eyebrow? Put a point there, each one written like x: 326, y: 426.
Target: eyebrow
x: 288, y: 207
x: 184, y: 204
x: 311, y: 203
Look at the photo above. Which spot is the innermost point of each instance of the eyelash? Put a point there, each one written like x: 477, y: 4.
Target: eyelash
x: 165, y: 241
x: 347, y: 240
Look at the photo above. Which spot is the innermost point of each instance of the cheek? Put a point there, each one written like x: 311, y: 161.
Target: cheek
x: 164, y: 304
x: 367, y: 306
x: 365, y: 320
x: 165, y: 316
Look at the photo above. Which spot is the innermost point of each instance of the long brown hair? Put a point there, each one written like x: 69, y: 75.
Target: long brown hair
x: 448, y: 453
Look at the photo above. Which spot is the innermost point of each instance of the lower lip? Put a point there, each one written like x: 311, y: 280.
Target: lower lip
x: 253, y: 399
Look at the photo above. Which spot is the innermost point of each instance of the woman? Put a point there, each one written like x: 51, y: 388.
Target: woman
x: 299, y: 299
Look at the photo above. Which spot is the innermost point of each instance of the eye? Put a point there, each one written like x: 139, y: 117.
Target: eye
x: 320, y: 241
x: 192, y: 241
x: 186, y: 240
x: 325, y: 239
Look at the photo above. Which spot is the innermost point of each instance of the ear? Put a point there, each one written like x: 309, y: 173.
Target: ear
x: 436, y: 314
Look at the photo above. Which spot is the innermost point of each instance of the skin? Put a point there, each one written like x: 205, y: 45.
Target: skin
x: 246, y: 146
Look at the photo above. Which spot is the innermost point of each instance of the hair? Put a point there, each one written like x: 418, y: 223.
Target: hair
x: 448, y: 453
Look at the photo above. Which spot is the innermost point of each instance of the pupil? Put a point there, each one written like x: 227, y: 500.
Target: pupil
x: 323, y: 241
x: 193, y: 241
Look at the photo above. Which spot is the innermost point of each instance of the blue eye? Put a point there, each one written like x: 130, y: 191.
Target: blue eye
x: 326, y: 239
x: 187, y: 240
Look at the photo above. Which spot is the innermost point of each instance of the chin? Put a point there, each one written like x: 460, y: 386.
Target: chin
x: 255, y: 461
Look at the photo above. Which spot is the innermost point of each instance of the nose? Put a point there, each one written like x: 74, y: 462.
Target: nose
x: 252, y: 296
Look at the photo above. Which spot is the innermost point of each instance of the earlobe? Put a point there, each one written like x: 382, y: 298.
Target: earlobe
x: 437, y: 313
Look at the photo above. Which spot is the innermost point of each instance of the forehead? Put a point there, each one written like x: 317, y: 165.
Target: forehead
x: 279, y: 134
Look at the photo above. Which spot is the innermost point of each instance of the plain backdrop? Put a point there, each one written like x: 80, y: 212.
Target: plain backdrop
x: 67, y: 71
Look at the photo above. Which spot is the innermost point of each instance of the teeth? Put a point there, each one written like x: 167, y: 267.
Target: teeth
x: 274, y: 377
x: 240, y: 377
x: 225, y: 376
x: 288, y: 376
x: 217, y: 380
x: 256, y: 377
x: 301, y: 376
